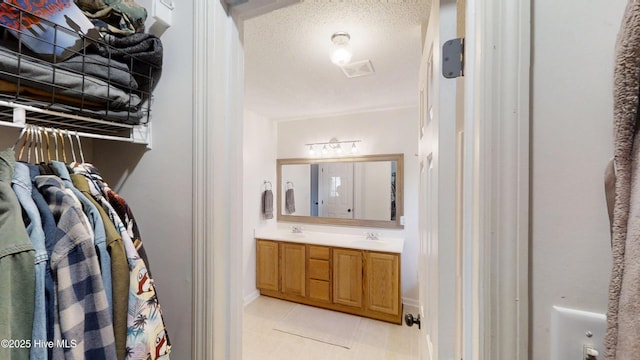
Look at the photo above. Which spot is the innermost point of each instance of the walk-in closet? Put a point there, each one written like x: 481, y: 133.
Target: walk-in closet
x: 117, y: 119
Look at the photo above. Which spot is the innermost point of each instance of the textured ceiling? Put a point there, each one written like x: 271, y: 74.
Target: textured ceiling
x: 288, y: 73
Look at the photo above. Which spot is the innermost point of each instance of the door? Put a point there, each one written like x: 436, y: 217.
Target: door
x: 292, y: 268
x: 439, y: 259
x: 347, y: 277
x: 335, y: 190
x: 382, y: 286
x: 267, y: 265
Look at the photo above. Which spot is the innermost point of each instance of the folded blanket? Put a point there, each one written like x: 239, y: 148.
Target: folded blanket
x: 74, y: 93
x: 41, y: 75
x: 114, y: 72
x: 141, y: 52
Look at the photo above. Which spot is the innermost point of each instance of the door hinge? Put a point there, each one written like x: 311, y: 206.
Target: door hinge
x: 453, y: 58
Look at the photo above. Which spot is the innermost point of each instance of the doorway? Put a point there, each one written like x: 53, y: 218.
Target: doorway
x: 496, y: 22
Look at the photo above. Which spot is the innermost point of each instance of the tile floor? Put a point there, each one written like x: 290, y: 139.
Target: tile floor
x: 374, y: 339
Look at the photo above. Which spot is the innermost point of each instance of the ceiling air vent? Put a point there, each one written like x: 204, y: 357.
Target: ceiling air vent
x: 357, y: 69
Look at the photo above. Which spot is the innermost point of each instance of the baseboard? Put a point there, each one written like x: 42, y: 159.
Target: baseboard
x: 411, y: 305
x: 248, y: 299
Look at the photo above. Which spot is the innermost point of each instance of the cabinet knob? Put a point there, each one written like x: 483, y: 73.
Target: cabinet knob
x: 409, y: 319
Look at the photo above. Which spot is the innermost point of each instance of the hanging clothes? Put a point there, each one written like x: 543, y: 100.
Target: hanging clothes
x: 119, y: 269
x: 97, y: 225
x: 124, y: 212
x: 23, y: 189
x: 17, y: 271
x: 82, y: 318
x: 146, y: 332
x: 77, y: 255
x: 49, y: 227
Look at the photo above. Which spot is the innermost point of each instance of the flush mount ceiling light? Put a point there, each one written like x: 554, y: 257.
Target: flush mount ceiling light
x: 341, y: 54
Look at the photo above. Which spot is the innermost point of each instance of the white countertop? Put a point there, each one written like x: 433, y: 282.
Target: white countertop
x: 384, y: 244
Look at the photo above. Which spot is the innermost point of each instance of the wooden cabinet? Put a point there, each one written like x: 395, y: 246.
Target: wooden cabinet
x: 359, y: 282
x: 292, y: 268
x: 382, y: 282
x: 267, y: 270
x: 319, y: 273
x: 347, y: 278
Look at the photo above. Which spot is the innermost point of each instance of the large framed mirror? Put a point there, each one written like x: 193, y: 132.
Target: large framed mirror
x: 356, y: 191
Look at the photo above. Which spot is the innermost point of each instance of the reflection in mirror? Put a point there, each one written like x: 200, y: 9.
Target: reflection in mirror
x: 360, y: 191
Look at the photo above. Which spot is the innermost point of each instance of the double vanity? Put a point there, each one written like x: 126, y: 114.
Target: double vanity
x: 353, y: 274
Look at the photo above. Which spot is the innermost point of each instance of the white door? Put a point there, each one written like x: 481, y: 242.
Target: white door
x: 440, y: 291
x: 335, y: 190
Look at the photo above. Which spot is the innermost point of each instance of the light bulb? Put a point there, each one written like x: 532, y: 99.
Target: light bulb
x: 341, y: 56
x: 339, y: 149
x: 311, y: 151
x: 324, y: 149
x: 354, y: 149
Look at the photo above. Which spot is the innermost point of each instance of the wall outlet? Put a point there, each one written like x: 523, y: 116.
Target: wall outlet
x: 573, y: 331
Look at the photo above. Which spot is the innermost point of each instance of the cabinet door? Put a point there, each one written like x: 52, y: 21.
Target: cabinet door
x: 267, y: 265
x: 292, y: 268
x: 347, y: 277
x: 383, y: 282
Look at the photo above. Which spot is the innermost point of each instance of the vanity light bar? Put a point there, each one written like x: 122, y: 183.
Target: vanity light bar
x: 333, y: 145
x: 333, y: 142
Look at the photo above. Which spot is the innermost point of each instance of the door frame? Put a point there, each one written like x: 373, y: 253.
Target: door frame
x: 496, y: 179
x: 496, y: 184
x: 218, y: 78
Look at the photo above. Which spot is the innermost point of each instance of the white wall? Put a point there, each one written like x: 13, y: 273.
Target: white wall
x: 572, y: 59
x: 382, y: 132
x: 157, y: 183
x: 259, y: 161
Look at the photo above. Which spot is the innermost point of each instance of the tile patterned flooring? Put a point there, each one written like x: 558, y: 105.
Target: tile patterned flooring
x: 374, y: 340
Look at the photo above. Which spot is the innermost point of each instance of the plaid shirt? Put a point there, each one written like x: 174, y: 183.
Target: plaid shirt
x: 82, y: 316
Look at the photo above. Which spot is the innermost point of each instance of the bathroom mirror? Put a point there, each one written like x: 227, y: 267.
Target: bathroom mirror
x: 357, y: 191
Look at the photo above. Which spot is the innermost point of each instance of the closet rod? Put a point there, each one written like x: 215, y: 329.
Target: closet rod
x: 94, y: 128
x: 50, y: 112
x: 80, y: 133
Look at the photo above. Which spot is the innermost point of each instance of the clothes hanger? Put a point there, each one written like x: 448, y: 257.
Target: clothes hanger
x: 22, y: 132
x: 64, y: 151
x: 30, y: 144
x: 41, y: 132
x: 80, y: 147
x: 55, y: 139
x: 36, y: 143
x: 18, y: 140
x: 73, y: 151
x: 46, y: 137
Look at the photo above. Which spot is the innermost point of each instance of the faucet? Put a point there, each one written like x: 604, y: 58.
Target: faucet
x: 296, y: 229
x: 372, y: 236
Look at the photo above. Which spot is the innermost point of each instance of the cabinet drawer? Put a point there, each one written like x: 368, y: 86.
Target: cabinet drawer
x: 318, y: 252
x: 319, y: 269
x: 319, y: 290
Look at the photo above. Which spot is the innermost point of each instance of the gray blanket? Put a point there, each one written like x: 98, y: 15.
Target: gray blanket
x: 112, y: 71
x: 117, y: 105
